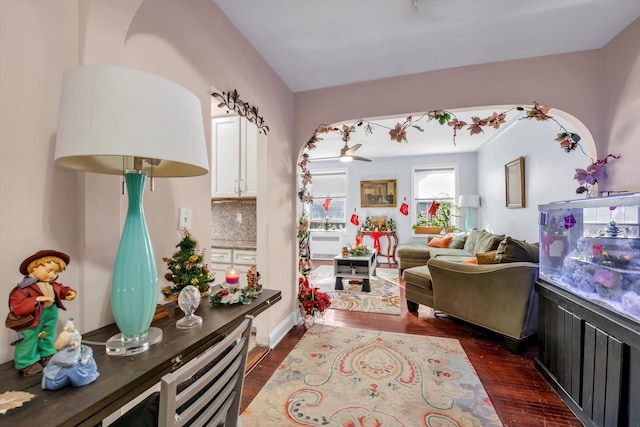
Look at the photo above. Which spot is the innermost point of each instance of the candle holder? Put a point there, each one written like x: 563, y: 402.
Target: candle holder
x: 232, y: 276
x: 189, y: 301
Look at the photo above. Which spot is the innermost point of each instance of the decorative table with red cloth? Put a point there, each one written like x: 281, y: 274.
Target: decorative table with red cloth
x: 391, y: 247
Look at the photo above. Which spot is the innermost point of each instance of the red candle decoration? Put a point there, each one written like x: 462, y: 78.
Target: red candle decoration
x: 232, y: 276
x: 358, y: 240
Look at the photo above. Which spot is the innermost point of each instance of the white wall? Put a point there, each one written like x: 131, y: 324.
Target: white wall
x: 398, y: 168
x: 549, y: 175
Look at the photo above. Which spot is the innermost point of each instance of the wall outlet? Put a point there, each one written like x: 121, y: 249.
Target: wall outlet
x: 184, y: 219
x: 239, y: 218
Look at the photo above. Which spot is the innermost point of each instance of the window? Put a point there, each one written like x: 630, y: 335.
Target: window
x: 597, y: 220
x: 429, y: 183
x: 329, y: 185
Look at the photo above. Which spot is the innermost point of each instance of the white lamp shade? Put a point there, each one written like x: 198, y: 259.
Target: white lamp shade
x: 110, y: 115
x: 469, y: 201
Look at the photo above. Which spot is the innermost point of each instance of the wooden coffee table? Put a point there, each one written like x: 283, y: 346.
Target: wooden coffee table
x: 360, y: 268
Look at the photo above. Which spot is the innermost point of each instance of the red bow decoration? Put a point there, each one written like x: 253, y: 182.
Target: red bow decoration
x: 376, y: 240
x: 433, y: 209
x: 355, y: 220
x: 404, y: 208
x: 326, y: 204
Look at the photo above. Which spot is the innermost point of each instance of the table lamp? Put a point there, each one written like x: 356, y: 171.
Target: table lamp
x: 116, y: 120
x: 469, y: 201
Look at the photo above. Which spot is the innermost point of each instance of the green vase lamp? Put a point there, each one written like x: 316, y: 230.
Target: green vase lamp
x: 117, y: 120
x: 469, y: 201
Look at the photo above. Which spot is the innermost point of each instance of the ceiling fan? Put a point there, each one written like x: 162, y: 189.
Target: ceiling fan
x: 346, y: 154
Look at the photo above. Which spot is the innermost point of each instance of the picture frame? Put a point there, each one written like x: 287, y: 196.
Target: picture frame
x: 514, y: 184
x: 378, y: 193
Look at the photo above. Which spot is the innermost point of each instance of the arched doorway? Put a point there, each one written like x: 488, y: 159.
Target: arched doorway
x: 488, y: 139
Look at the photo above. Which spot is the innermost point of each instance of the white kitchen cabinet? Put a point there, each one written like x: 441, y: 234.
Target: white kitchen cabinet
x: 220, y: 261
x: 234, y: 157
x: 240, y: 259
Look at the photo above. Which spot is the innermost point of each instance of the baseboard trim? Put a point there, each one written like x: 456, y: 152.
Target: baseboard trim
x: 283, y: 328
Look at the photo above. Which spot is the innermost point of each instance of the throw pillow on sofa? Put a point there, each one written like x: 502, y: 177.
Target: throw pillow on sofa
x: 487, y: 257
x: 440, y: 242
x: 470, y: 243
x: 486, y: 242
x: 473, y: 260
x: 513, y: 250
x: 458, y: 241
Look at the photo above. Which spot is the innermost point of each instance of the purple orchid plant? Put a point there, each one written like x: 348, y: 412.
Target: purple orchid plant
x: 593, y: 174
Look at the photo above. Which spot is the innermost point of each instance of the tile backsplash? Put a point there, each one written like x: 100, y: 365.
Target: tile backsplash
x: 233, y: 220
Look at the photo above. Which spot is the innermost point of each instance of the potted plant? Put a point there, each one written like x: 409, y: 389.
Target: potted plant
x: 444, y: 214
x: 312, y: 301
x: 426, y: 224
x: 434, y: 221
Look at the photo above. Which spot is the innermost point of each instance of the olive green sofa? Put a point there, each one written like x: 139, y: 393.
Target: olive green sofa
x: 463, y: 246
x: 499, y: 296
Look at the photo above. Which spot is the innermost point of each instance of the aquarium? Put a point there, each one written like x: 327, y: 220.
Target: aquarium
x: 591, y: 248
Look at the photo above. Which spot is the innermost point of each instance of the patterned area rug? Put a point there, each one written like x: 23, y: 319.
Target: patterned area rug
x: 339, y: 376
x: 384, y: 297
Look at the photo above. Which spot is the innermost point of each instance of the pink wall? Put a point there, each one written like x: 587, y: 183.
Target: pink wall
x: 587, y: 85
x: 190, y: 42
x: 620, y: 107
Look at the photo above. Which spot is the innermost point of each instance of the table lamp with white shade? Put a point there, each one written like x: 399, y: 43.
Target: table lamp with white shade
x: 121, y: 121
x: 469, y: 201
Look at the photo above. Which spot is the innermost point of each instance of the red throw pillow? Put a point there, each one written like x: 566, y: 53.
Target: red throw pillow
x: 440, y: 242
x: 473, y: 260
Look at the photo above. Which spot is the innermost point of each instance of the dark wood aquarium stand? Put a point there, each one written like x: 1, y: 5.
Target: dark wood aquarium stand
x: 590, y: 356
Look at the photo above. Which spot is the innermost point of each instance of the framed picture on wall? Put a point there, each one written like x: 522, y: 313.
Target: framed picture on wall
x: 378, y: 194
x: 514, y: 181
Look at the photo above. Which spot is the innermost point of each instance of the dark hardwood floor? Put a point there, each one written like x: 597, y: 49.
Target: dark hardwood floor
x: 520, y: 395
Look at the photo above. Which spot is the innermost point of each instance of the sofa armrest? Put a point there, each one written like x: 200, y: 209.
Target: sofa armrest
x: 499, y: 297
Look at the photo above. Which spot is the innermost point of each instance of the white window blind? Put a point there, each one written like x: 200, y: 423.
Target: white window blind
x: 331, y: 185
x: 431, y: 183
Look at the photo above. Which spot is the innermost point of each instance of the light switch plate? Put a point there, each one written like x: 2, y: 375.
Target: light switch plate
x: 184, y: 221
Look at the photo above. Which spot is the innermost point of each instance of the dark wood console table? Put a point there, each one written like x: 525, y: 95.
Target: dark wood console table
x: 391, y: 247
x: 123, y: 378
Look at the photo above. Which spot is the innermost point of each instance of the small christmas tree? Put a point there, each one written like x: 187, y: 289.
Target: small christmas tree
x: 186, y: 268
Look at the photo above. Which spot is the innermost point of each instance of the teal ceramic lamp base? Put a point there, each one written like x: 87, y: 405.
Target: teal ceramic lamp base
x: 117, y: 345
x: 468, y: 222
x: 134, y: 288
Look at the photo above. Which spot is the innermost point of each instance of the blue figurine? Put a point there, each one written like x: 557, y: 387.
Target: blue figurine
x: 73, y: 364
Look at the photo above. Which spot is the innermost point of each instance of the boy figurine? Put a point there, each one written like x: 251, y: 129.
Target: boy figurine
x: 40, y: 295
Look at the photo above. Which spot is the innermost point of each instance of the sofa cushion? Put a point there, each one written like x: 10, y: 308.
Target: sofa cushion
x: 418, y: 276
x: 470, y: 243
x: 487, y: 257
x: 440, y: 242
x: 458, y: 241
x: 453, y: 258
x: 436, y: 252
x: 513, y: 250
x: 413, y: 251
x: 486, y: 242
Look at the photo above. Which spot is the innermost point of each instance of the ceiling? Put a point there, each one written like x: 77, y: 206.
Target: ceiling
x: 313, y: 44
